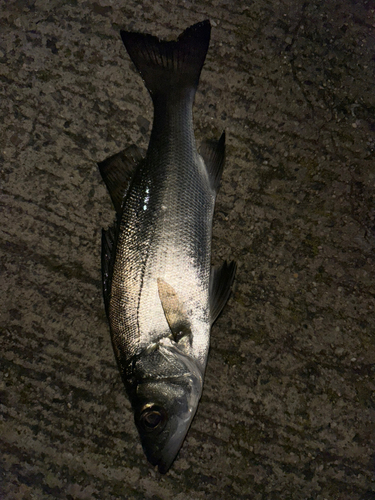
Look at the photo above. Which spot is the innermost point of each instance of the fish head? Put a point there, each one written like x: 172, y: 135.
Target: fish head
x: 166, y: 390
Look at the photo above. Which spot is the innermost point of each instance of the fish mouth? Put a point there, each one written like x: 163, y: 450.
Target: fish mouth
x: 165, y: 456
x: 163, y: 422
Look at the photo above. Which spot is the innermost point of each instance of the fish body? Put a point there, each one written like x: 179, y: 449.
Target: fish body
x: 160, y: 292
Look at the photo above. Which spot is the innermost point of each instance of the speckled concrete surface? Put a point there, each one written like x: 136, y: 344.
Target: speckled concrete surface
x: 288, y: 405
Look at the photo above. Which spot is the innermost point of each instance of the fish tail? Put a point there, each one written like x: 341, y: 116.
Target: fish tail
x: 169, y: 67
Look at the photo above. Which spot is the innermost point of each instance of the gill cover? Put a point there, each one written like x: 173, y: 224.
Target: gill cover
x: 164, y: 389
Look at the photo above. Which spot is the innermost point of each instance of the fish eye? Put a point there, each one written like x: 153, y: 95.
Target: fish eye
x: 153, y: 418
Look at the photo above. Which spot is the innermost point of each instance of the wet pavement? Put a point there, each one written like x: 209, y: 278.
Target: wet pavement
x: 288, y: 407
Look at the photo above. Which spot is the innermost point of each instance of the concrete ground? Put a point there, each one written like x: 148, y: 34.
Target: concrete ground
x: 288, y: 405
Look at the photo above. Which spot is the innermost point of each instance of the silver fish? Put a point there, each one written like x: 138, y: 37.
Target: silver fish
x: 160, y: 292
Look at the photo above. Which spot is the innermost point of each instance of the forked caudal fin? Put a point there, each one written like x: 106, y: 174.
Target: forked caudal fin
x: 169, y: 66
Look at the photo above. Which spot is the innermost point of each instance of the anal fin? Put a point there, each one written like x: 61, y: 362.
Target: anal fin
x: 213, y: 154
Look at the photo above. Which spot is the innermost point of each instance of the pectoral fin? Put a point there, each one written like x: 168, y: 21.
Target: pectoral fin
x: 174, y: 311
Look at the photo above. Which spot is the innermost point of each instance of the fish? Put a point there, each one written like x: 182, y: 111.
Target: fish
x: 161, y: 293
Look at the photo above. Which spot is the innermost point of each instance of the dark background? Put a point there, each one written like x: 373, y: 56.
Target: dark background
x: 288, y: 405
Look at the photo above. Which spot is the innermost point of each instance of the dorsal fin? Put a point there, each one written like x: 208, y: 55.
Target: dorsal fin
x: 108, y: 250
x: 117, y: 172
x: 174, y: 311
x: 213, y: 154
x: 221, y: 280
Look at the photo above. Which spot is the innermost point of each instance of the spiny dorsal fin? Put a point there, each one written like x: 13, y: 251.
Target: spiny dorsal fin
x: 174, y: 311
x: 108, y: 249
x: 117, y: 172
x: 213, y: 154
x: 221, y: 280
